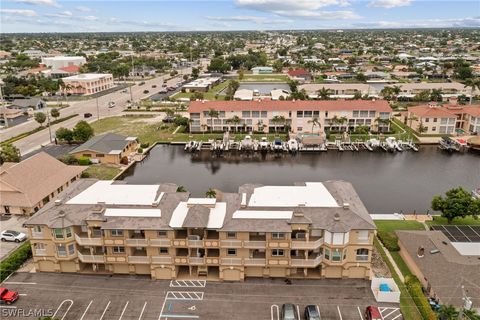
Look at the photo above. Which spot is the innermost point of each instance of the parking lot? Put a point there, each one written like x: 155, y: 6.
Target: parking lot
x: 85, y: 297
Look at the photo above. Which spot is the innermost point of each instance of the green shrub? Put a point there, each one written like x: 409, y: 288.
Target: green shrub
x: 389, y: 240
x: 140, y: 150
x: 414, y: 287
x: 15, y: 260
x: 144, y: 145
x: 84, y: 161
x: 85, y: 174
x: 68, y: 159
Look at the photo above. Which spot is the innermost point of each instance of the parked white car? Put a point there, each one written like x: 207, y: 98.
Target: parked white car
x: 10, y: 235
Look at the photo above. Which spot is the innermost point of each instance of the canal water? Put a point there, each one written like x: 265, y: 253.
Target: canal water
x: 387, y: 183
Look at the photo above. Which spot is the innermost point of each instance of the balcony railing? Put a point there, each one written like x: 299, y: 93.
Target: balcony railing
x: 306, y: 262
x: 306, y: 245
x: 231, y: 244
x: 232, y: 261
x: 136, y: 242
x: 362, y: 257
x: 160, y: 242
x: 195, y: 243
x: 196, y: 260
x: 40, y: 252
x: 138, y: 259
x: 254, y: 262
x: 37, y: 235
x: 162, y: 260
x: 254, y: 244
x: 91, y: 258
x: 88, y: 241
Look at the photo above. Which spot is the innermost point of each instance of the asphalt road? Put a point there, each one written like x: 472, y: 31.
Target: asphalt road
x: 82, y: 297
x: 36, y: 140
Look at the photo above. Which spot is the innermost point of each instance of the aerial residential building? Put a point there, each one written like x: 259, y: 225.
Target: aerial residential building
x: 108, y: 148
x: 201, y: 84
x: 262, y: 70
x: 27, y: 104
x: 63, y: 61
x: 87, y: 83
x: 449, y: 89
x: 309, y: 230
x: 27, y: 186
x: 243, y: 94
x: 340, y: 90
x: 301, y: 75
x: 335, y: 115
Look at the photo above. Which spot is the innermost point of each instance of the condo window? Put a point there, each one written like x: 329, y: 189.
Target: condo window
x: 277, y: 252
x: 61, y: 250
x: 316, y: 113
x: 163, y: 250
x: 327, y: 254
x: 355, y: 114
x: 68, y: 232
x: 278, y: 235
x: 39, y: 246
x: 434, y: 119
x: 255, y: 114
x: 371, y: 114
x: 116, y: 232
x: 362, y: 254
x: 231, y: 235
x: 58, y: 233
x: 162, y: 234
x: 299, y: 114
x: 118, y: 249
x: 427, y: 119
x: 245, y: 114
x: 231, y: 252
x: 264, y: 114
x: 363, y: 114
x: 362, y: 235
x: 307, y: 114
x: 336, y: 255
x: 37, y: 229
x: 71, y: 249
x: 434, y: 128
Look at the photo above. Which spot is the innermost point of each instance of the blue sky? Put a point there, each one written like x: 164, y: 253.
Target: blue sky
x: 196, y: 15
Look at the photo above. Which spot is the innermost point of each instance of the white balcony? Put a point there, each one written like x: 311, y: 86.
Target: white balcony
x: 90, y: 258
x: 196, y: 260
x: 40, y: 252
x: 162, y: 260
x: 254, y: 244
x: 195, y: 243
x: 254, y: 262
x: 231, y: 243
x: 140, y: 242
x: 306, y: 262
x: 160, y: 242
x: 232, y: 261
x: 306, y: 245
x: 138, y: 259
x: 37, y: 235
x: 88, y: 241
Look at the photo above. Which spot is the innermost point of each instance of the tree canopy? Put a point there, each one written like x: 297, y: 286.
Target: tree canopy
x: 457, y: 203
x: 9, y: 153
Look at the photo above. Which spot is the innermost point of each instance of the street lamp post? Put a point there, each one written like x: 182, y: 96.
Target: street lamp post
x: 48, y: 124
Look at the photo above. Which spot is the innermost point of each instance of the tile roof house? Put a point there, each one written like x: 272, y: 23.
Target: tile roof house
x: 26, y: 186
x: 300, y: 74
x: 107, y: 148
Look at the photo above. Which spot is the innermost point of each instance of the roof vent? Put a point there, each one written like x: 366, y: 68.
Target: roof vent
x: 336, y: 217
x: 58, y: 202
x: 98, y: 209
x: 346, y: 205
x: 61, y: 214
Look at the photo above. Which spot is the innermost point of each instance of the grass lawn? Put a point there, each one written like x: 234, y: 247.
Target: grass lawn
x: 392, y: 225
x: 264, y: 78
x: 102, y: 172
x: 438, y: 220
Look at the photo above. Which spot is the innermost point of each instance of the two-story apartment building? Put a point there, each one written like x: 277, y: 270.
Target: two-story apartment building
x: 308, y: 230
x: 265, y: 115
x: 87, y: 83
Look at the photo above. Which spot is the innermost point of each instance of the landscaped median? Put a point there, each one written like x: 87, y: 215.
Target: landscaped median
x: 15, y: 260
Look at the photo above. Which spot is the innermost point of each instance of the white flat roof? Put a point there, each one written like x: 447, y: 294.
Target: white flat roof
x: 262, y: 214
x: 123, y: 194
x: 133, y: 212
x: 88, y: 76
x: 313, y: 194
x: 215, y: 218
x: 467, y: 248
x: 202, y: 201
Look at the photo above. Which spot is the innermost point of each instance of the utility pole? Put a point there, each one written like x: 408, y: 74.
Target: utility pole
x: 48, y: 124
x: 133, y: 77
x: 98, y: 109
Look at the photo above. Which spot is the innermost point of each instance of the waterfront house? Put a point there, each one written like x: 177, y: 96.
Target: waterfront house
x: 109, y: 148
x: 311, y: 230
x: 333, y: 115
x: 27, y: 186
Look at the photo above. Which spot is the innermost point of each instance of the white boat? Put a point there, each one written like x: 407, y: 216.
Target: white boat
x: 292, y: 145
x: 191, y: 146
x: 278, y: 144
x: 373, y: 143
x: 391, y: 143
x: 247, y: 143
x: 264, y: 144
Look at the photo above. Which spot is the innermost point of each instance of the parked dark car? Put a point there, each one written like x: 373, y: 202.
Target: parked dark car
x: 145, y: 91
x: 141, y: 83
x: 312, y: 313
x: 87, y: 115
x: 154, y: 85
x: 288, y: 312
x: 170, y: 88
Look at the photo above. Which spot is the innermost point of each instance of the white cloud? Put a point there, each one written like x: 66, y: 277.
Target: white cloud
x: 50, y: 3
x: 389, y: 3
x: 142, y: 24
x: 88, y: 18
x: 19, y: 12
x: 64, y: 14
x: 425, y: 23
x: 254, y: 19
x: 83, y: 9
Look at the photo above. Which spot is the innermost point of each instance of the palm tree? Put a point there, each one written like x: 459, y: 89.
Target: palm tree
x: 211, y: 193
x: 421, y: 128
x: 204, y: 126
x: 260, y: 125
x: 212, y: 113
x: 278, y: 120
x: 181, y: 189
x: 323, y: 93
x: 235, y: 120
x: 471, y: 314
x: 472, y: 83
x: 315, y: 123
x: 396, y: 91
x: 448, y: 312
x: 436, y: 95
x: 380, y: 121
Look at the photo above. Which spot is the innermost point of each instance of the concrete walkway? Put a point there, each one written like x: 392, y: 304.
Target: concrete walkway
x: 394, y: 264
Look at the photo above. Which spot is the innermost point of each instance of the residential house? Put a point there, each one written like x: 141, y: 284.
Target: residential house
x: 27, y: 104
x: 340, y: 90
x: 262, y: 70
x: 108, y: 148
x: 301, y: 75
x: 311, y: 230
x: 27, y: 186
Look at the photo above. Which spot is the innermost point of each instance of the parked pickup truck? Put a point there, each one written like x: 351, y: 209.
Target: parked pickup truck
x: 7, y: 296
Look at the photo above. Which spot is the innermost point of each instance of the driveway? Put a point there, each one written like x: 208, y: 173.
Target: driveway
x: 15, y: 223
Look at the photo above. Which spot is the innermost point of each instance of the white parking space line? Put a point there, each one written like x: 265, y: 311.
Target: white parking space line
x: 85, y: 312
x: 143, y: 309
x: 27, y: 283
x: 274, y: 309
x: 22, y: 294
x: 394, y: 310
x: 339, y: 313
x: 124, y: 308
x: 298, y: 312
x: 188, y: 283
x: 61, y: 305
x: 104, y: 311
x: 399, y: 315
x: 184, y: 295
x: 360, y: 313
x: 318, y: 310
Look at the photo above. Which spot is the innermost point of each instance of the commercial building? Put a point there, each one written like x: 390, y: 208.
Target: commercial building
x: 201, y: 84
x: 108, y: 148
x: 308, y: 230
x: 59, y: 62
x: 27, y: 186
x: 87, y: 83
x: 333, y: 115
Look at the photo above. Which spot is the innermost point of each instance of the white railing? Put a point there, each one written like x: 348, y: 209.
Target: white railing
x: 160, y: 242
x: 296, y: 244
x: 138, y: 259
x: 232, y: 261
x: 195, y: 243
x: 91, y: 258
x: 136, y: 242
x: 40, y: 252
x: 88, y: 241
x: 37, y: 235
x: 162, y: 260
x: 196, y: 260
x: 231, y: 243
x: 254, y: 244
x: 362, y: 257
x: 254, y: 261
x: 306, y: 262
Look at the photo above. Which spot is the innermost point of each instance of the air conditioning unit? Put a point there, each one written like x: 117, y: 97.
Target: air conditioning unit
x: 300, y: 235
